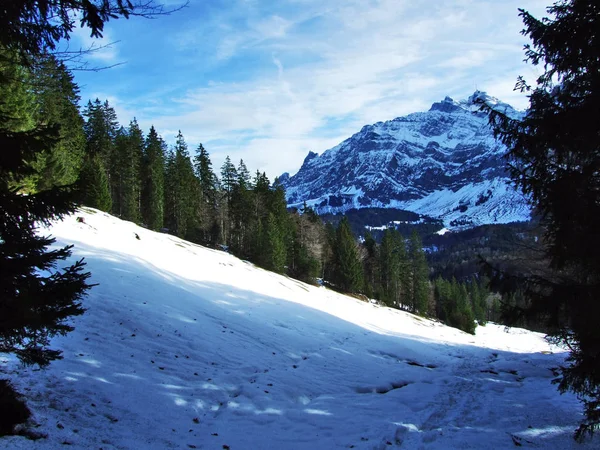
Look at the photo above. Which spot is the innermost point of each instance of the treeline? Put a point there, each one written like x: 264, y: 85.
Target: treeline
x: 136, y: 176
x: 396, y: 273
x: 140, y: 178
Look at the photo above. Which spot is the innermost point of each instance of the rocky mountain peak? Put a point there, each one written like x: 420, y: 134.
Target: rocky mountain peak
x: 443, y: 163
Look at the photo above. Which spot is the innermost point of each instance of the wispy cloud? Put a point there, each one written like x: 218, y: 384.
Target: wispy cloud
x: 269, y: 81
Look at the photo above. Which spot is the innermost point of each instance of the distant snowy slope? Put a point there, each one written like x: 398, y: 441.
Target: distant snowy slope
x: 444, y: 163
x: 186, y: 347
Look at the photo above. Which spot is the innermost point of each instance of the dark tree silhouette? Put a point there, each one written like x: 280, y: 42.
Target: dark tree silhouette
x: 554, y: 157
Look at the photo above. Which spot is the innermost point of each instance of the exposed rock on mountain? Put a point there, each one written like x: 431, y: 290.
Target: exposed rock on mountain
x: 444, y: 163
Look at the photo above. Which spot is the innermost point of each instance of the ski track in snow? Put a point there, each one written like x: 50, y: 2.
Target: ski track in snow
x: 187, y: 347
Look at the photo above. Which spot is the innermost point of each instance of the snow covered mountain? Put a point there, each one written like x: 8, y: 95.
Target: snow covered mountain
x: 185, y: 347
x: 444, y: 163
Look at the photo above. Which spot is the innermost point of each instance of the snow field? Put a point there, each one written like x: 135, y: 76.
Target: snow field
x: 186, y: 347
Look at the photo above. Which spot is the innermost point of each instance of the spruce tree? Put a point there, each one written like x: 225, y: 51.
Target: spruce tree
x: 229, y: 178
x: 308, y: 242
x: 56, y: 98
x: 228, y: 182
x: 394, y: 270
x: 419, y: 295
x: 207, y: 214
x: 131, y: 171
x: 153, y: 180
x: 240, y: 212
x: 101, y: 129
x: 453, y: 306
x: 94, y: 185
x: 347, y: 273
x: 370, y: 265
x: 260, y: 213
x: 276, y: 249
x: 180, y: 196
x: 36, y: 298
x: 554, y: 154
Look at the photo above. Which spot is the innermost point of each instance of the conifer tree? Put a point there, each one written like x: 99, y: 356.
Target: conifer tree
x: 207, y: 214
x: 229, y: 178
x: 101, y: 128
x: 453, y: 306
x: 36, y: 298
x: 131, y: 173
x: 240, y: 212
x: 347, y: 272
x: 153, y: 173
x: 276, y: 249
x: 228, y: 182
x: 307, y: 245
x: 394, y: 271
x: 17, y: 100
x: 419, y: 294
x: 243, y: 175
x: 56, y: 98
x: 554, y: 154
x: 180, y: 196
x: 117, y: 171
x: 478, y: 295
x: 371, y: 266
x: 94, y: 185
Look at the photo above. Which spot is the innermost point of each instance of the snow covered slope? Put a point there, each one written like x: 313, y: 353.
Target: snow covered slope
x: 186, y: 347
x: 444, y: 163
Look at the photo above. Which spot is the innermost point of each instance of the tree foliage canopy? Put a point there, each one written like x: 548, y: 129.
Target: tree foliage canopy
x: 554, y: 155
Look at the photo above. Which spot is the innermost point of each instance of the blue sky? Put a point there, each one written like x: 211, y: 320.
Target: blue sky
x: 267, y: 81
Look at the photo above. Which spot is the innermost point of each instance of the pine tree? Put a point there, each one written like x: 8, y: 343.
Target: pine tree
x: 240, y: 212
x: 131, y: 173
x: 394, y: 270
x: 180, y: 196
x: 228, y: 181
x: 453, y: 306
x: 370, y: 265
x: 101, y: 129
x: 347, y: 273
x: 554, y: 154
x: 419, y: 276
x: 56, y: 98
x: 94, y: 185
x: 276, y: 251
x: 207, y: 213
x: 153, y: 173
x: 229, y: 178
x: 36, y: 299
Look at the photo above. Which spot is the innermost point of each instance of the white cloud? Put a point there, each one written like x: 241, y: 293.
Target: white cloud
x: 271, y: 27
x: 321, y: 70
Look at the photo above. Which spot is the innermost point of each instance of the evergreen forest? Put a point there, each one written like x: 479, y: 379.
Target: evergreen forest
x: 59, y: 154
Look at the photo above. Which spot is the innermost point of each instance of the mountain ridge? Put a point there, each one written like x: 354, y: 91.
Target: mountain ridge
x: 444, y: 163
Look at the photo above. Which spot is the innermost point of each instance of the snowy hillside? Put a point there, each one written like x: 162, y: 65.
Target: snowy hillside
x: 186, y: 347
x: 444, y: 163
